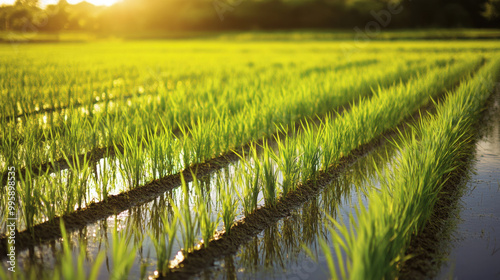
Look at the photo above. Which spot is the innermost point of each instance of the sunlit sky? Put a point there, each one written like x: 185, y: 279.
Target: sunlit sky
x: 47, y: 2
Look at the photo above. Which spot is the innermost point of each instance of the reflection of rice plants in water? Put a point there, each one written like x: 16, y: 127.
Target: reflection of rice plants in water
x: 248, y: 177
x: 163, y: 241
x: 189, y: 221
x: 228, y: 201
x: 204, y: 208
x: 236, y: 149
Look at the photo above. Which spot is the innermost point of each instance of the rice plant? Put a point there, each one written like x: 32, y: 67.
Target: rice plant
x: 66, y: 268
x: 28, y: 194
x: 287, y: 160
x: 228, y: 201
x: 48, y: 197
x: 200, y: 135
x: 375, y: 244
x: 268, y: 176
x: 132, y: 159
x: 311, y: 154
x: 248, y: 176
x: 105, y: 177
x: 161, y: 151
x: 122, y: 253
x: 78, y: 176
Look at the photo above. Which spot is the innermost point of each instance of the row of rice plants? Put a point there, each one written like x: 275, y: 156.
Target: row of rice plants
x: 320, y: 149
x: 141, y: 160
x: 189, y: 225
x: 203, y: 90
x: 375, y: 241
x: 44, y: 78
x: 266, y: 175
x: 45, y: 75
x: 56, y: 81
x: 104, y: 129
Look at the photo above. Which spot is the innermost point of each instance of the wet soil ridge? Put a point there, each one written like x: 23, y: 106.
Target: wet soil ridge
x: 50, y: 230
x: 428, y: 249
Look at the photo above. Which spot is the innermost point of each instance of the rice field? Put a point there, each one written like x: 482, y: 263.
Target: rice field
x: 168, y: 159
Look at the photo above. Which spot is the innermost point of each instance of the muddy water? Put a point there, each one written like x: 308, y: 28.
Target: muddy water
x: 278, y: 252
x: 475, y: 245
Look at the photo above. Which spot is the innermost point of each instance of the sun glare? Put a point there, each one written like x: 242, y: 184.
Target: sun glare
x: 50, y: 2
x: 96, y: 2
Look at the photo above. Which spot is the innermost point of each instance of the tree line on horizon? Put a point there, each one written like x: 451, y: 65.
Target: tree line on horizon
x: 194, y: 15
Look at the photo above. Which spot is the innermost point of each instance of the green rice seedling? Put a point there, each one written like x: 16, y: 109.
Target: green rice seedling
x: 9, y: 151
x: 66, y: 267
x: 104, y: 177
x: 186, y: 148
x: 122, y: 253
x: 161, y: 152
x: 311, y: 154
x: 204, y: 210
x: 30, y: 153
x: 132, y: 159
x: 329, y: 147
x: 287, y: 160
x: 65, y: 193
x: 189, y: 222
x: 222, y: 132
x: 229, y: 205
x: 269, y: 180
x: 249, y: 177
x: 375, y: 243
x: 164, y: 242
x: 78, y: 175
x: 28, y: 198
x: 48, y: 196
x: 73, y: 136
x: 93, y: 125
x: 201, y: 140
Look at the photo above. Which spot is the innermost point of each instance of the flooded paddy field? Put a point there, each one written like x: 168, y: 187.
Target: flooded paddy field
x: 290, y: 161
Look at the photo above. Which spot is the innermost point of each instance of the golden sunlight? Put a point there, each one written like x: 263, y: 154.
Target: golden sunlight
x: 96, y: 2
x: 44, y: 3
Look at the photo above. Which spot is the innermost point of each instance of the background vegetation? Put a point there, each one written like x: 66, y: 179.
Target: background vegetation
x: 153, y: 16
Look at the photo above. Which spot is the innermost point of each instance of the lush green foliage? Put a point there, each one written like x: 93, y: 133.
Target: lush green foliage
x: 186, y: 107
x: 375, y: 244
